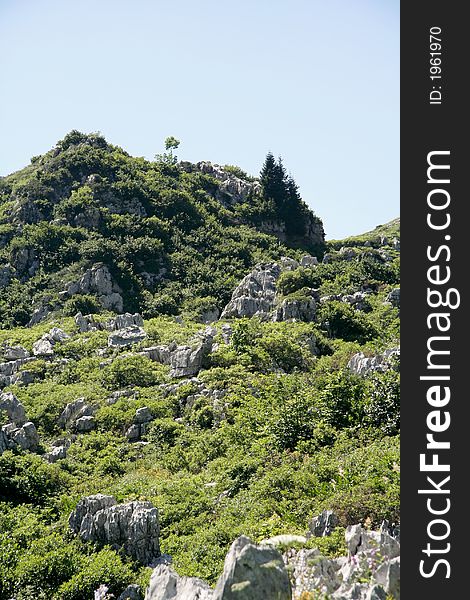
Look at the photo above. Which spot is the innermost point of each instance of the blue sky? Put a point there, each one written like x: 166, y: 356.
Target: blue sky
x: 316, y: 81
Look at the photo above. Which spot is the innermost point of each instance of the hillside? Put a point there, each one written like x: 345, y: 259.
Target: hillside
x: 180, y: 339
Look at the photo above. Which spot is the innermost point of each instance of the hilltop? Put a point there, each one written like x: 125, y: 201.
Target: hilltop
x: 185, y: 362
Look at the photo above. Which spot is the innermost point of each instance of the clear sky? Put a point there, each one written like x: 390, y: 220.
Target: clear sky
x: 315, y: 81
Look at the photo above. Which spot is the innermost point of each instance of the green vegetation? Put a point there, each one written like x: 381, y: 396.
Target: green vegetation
x: 281, y: 429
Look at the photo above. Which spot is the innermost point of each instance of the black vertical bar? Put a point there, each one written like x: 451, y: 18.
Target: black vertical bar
x: 426, y: 127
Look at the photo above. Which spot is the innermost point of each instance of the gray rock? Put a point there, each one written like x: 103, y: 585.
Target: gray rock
x: 311, y: 572
x: 253, y: 573
x: 323, y: 524
x: 57, y: 335
x: 26, y: 437
x: 124, y: 321
x: 308, y: 261
x: 227, y: 333
x: 13, y: 407
x: 134, y: 526
x: 394, y: 297
x: 39, y: 314
x: 126, y: 337
x: 134, y: 433
x: 187, y: 361
x: 132, y: 592
x: 362, y: 365
x: 13, y: 353
x: 6, y: 274
x: 98, y: 281
x: 43, y: 347
x: 210, y: 316
x: 143, y: 415
x: 255, y: 294
x: 73, y: 411
x: 388, y: 575
x: 57, y: 453
x: 166, y: 584
x: 296, y: 310
x: 85, y: 424
x: 377, y: 592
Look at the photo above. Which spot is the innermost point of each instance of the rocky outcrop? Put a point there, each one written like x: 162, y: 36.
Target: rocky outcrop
x: 132, y: 527
x: 87, y: 323
x: 126, y: 337
x: 323, y: 524
x: 186, y: 361
x: 13, y: 408
x: 142, y: 418
x: 293, y: 309
x: 166, y: 584
x: 98, y: 281
x: 25, y: 437
x: 253, y: 573
x: 75, y: 411
x: 360, y: 364
x: 44, y: 347
x: 255, y: 294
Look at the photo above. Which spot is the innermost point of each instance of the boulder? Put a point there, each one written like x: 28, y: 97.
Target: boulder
x: 13, y: 353
x: 143, y: 415
x: 73, y: 411
x: 13, y: 407
x: 187, y: 361
x: 388, y: 576
x: 255, y: 294
x: 85, y: 424
x: 308, y: 261
x: 25, y: 437
x: 126, y: 337
x: 296, y: 310
x: 132, y: 527
x: 132, y: 592
x: 394, y: 297
x: 43, y: 347
x: 253, y: 573
x: 166, y: 584
x: 323, y: 524
x: 311, y: 572
x: 57, y: 453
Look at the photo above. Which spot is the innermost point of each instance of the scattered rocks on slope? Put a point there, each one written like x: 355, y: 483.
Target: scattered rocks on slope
x: 134, y: 526
x: 87, y: 323
x: 44, y: 347
x: 187, y: 361
x: 142, y: 418
x: 253, y: 573
x: 166, y: 584
x: 360, y: 364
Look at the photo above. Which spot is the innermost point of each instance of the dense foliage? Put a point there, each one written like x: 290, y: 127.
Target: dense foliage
x: 292, y: 432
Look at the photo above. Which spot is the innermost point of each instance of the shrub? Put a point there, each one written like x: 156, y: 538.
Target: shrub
x: 127, y: 371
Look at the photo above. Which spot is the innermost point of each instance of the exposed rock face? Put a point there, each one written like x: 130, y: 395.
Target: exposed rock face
x: 75, y: 411
x: 44, y: 347
x: 87, y: 323
x: 127, y: 337
x: 323, y: 524
x: 39, y: 314
x: 308, y: 261
x: 166, y: 584
x: 296, y: 310
x: 255, y: 294
x: 11, y: 353
x: 253, y: 573
x: 85, y: 424
x: 311, y: 572
x: 187, y: 361
x: 142, y: 418
x: 5, y: 276
x: 26, y: 437
x: 98, y: 281
x: 363, y: 365
x: 13, y: 407
x: 134, y: 526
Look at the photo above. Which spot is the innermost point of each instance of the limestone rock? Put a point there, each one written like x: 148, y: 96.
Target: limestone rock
x: 388, y: 575
x: 323, y: 524
x: 39, y: 314
x: 394, y: 297
x: 85, y: 424
x: 126, y: 337
x: 311, y: 572
x: 98, y: 281
x: 166, y: 584
x: 57, y: 453
x: 187, y: 361
x: 284, y: 540
x: 134, y: 526
x: 253, y: 573
x: 13, y: 407
x: 362, y: 365
x: 73, y: 411
x: 143, y: 415
x: 308, y: 261
x: 296, y: 310
x: 255, y: 294
x: 43, y: 347
x: 132, y: 592
x: 26, y: 437
x: 13, y: 353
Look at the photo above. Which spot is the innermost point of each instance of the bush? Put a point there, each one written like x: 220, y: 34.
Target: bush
x: 105, y: 567
x: 340, y: 320
x: 128, y: 371
x: 83, y: 303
